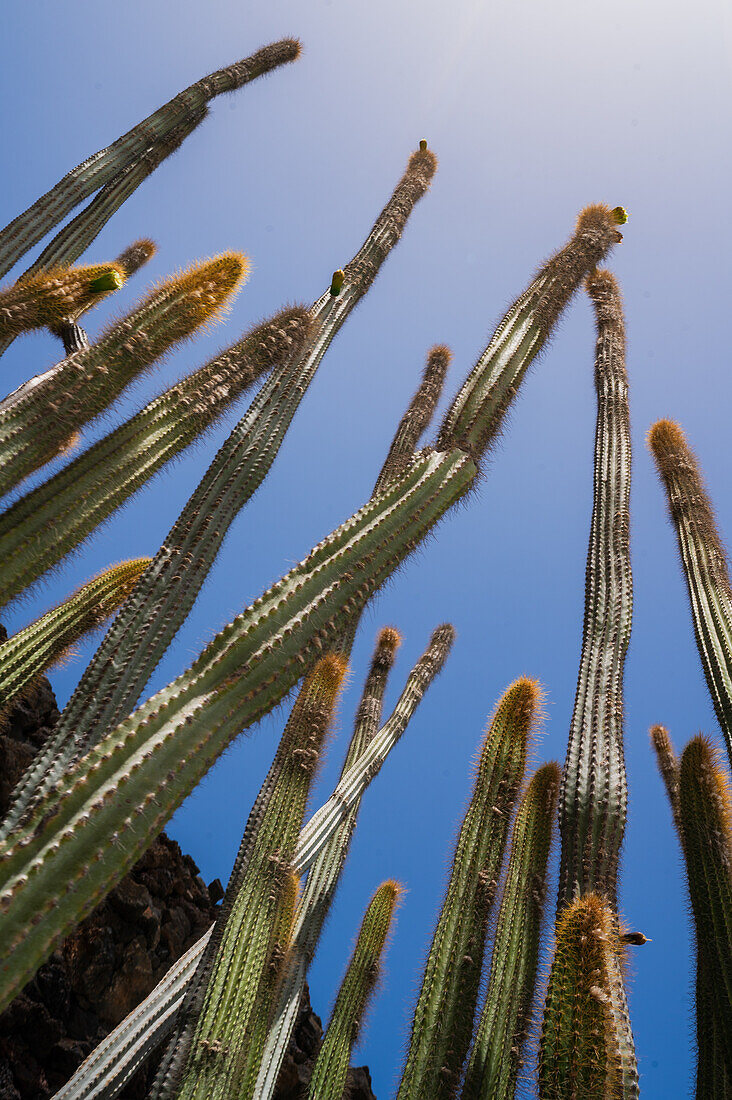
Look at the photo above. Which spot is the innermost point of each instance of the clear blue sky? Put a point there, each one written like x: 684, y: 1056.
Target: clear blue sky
x: 534, y: 110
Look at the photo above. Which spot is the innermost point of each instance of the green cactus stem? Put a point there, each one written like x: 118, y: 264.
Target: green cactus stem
x: 495, y: 1058
x: 705, y: 813
x: 51, y: 296
x: 45, y: 642
x: 245, y: 671
x: 85, y: 492
x: 593, y: 800
x: 186, y: 109
x: 331, y: 1067
x: 215, y: 1063
x: 704, y: 561
x: 39, y: 416
x: 443, y: 1020
x: 580, y: 1051
x: 110, y: 687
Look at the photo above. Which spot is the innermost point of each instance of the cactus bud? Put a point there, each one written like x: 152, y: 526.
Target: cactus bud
x: 336, y: 283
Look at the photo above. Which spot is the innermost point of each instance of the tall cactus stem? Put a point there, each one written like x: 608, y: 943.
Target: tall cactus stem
x: 443, y: 1020
x: 704, y: 562
x: 593, y: 799
x: 495, y: 1058
x: 45, y: 642
x: 331, y: 1067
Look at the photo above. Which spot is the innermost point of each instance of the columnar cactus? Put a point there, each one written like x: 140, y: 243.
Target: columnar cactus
x: 495, y: 1058
x: 593, y: 800
x: 43, y: 643
x: 76, y: 500
x: 331, y: 1067
x: 106, y: 168
x: 581, y: 1041
x: 52, y: 296
x: 443, y: 1019
x: 704, y: 562
x: 41, y: 414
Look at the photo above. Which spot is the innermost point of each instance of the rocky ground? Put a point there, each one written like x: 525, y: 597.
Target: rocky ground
x: 116, y: 956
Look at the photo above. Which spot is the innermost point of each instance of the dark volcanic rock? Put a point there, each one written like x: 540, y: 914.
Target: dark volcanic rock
x: 116, y: 956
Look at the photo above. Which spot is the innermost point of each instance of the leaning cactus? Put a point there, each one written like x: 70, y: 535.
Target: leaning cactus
x: 331, y: 1067
x: 245, y: 671
x: 104, y: 168
x: 41, y: 414
x: 82, y: 495
x: 443, y: 1019
x: 42, y: 644
x: 495, y: 1058
x: 581, y: 1052
x: 704, y: 562
x: 52, y: 296
x: 594, y: 796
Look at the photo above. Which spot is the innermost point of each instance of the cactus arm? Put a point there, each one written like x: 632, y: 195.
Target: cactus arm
x: 39, y: 416
x: 331, y: 1066
x: 704, y: 562
x: 43, y: 643
x: 705, y: 811
x: 188, y: 107
x: 593, y: 801
x: 495, y: 1058
x: 579, y: 1054
x: 51, y: 296
x: 89, y: 489
x: 442, y: 1022
x: 110, y: 687
x: 477, y: 413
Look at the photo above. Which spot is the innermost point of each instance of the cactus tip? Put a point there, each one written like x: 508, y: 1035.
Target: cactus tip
x: 599, y: 220
x: 389, y: 638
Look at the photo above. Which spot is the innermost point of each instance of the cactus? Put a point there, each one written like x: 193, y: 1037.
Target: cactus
x: 331, y: 1067
x: 495, y: 1058
x: 581, y: 1040
x: 244, y: 945
x: 443, y: 1019
x: 52, y: 296
x: 704, y: 562
x: 185, y: 110
x: 45, y: 642
x: 41, y: 414
x: 88, y: 490
x: 110, y: 688
x: 593, y: 800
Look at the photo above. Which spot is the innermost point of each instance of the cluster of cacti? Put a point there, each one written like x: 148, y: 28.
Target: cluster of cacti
x: 111, y: 776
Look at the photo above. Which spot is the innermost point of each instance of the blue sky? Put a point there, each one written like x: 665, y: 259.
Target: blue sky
x: 534, y: 111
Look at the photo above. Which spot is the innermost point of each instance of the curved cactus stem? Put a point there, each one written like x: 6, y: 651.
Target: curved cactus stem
x: 110, y: 686
x: 704, y: 562
x: 53, y: 295
x: 443, y: 1018
x: 38, y: 417
x: 186, y: 108
x: 593, y: 800
x: 495, y: 1059
x: 82, y: 495
x: 43, y: 643
x: 331, y: 1067
x: 215, y: 1062
x: 581, y: 1052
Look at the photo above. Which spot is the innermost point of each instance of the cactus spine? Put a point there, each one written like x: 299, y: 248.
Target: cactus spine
x: 704, y: 562
x: 185, y: 110
x: 331, y: 1068
x: 52, y: 296
x: 45, y: 642
x: 495, y: 1058
x: 41, y: 414
x: 215, y: 1062
x: 580, y: 1053
x: 101, y: 479
x: 443, y: 1019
